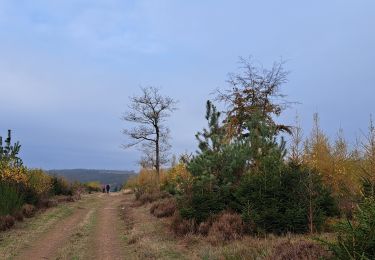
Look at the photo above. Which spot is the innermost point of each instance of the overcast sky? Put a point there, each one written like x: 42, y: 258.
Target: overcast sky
x: 68, y: 67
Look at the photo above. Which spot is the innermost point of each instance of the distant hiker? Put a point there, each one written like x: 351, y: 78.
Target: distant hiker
x: 107, y: 187
x: 103, y: 188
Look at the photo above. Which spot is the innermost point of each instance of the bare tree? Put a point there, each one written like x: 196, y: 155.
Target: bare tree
x: 296, y: 147
x: 149, y: 111
x: 252, y: 91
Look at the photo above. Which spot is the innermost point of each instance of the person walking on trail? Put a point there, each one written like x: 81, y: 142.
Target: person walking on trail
x: 107, y: 187
x: 103, y: 188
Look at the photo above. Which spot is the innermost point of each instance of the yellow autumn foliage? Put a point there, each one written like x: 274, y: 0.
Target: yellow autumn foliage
x: 144, y: 182
x: 16, y: 175
x: 177, y: 179
x: 39, y: 182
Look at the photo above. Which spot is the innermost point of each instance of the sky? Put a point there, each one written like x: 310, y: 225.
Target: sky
x: 67, y: 68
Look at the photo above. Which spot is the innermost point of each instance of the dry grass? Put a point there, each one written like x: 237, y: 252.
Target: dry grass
x: 227, y: 227
x: 182, y: 227
x: 164, y: 208
x: 47, y: 203
x: 299, y: 250
x: 6, y: 222
x: 78, y: 244
x: 151, y: 197
x: 18, y: 216
x: 28, y: 210
x: 147, y: 237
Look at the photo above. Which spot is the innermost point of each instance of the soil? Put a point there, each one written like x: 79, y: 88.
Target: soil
x: 105, y: 242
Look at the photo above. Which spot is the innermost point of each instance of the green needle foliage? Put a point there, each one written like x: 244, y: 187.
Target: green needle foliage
x: 9, y: 153
x: 247, y: 174
x: 356, y: 239
x: 11, y: 200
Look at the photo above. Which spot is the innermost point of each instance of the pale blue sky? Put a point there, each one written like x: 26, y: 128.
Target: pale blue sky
x: 67, y: 67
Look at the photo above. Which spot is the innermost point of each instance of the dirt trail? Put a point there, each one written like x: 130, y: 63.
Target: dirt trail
x: 104, y: 240
x: 107, y: 236
x: 47, y: 245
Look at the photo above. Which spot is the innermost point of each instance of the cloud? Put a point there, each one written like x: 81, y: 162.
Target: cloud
x: 94, y: 26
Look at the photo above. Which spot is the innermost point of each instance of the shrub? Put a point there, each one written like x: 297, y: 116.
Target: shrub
x: 203, y: 202
x: 6, y: 222
x: 204, y: 228
x: 356, y: 239
x: 227, y: 227
x: 13, y: 175
x: 151, y: 197
x: 164, y: 208
x: 28, y: 210
x: 39, y: 182
x: 278, y: 202
x: 47, y: 203
x: 176, y: 180
x: 10, y: 200
x: 181, y: 226
x: 93, y: 186
x: 300, y: 250
x: 144, y: 182
x: 18, y: 216
x: 38, y: 186
x: 60, y: 186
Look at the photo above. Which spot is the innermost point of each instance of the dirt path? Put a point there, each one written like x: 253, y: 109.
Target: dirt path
x: 107, y: 234
x: 91, y: 231
x: 46, y: 246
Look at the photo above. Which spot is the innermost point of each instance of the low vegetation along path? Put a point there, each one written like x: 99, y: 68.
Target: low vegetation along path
x: 88, y: 229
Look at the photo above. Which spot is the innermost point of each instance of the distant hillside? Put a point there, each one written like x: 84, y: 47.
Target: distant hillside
x: 112, y: 177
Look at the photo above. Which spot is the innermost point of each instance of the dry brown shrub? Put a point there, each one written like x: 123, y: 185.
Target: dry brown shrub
x: 151, y: 197
x: 70, y: 199
x: 204, y: 228
x: 6, y: 222
x: 147, y: 198
x: 300, y: 250
x: 52, y: 203
x: 2, y: 224
x: 164, y: 208
x: 9, y: 221
x: 227, y: 227
x: 182, y: 227
x: 61, y: 199
x: 18, y: 216
x: 47, y: 203
x: 42, y: 204
x: 28, y: 210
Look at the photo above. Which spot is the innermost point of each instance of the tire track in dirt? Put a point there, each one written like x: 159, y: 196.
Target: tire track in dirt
x: 107, y: 236
x: 48, y: 244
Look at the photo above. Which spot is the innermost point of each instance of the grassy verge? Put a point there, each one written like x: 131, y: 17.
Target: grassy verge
x: 147, y: 237
x: 22, y: 236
